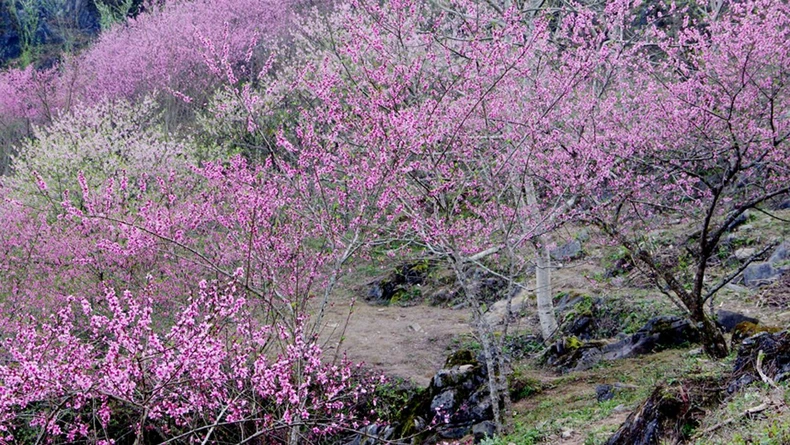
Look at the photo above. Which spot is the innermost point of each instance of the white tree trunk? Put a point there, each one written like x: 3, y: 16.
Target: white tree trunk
x: 548, y: 321
x: 546, y: 316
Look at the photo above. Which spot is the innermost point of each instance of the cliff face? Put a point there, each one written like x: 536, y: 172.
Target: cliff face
x: 70, y: 25
x: 9, y: 38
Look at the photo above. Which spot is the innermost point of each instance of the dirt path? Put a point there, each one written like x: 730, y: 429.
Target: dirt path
x: 407, y: 342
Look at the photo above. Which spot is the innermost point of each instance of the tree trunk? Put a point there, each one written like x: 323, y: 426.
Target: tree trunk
x: 548, y: 321
x: 713, y: 342
x: 497, y: 376
x: 546, y: 316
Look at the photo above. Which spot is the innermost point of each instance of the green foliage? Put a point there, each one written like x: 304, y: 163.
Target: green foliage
x: 522, y: 385
x: 407, y: 296
x: 391, y: 397
x: 27, y: 17
x: 112, y: 12
x: 466, y: 341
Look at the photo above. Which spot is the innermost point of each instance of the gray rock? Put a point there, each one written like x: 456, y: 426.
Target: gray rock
x: 453, y: 432
x: 604, y: 392
x: 372, y: 434
x: 727, y: 320
x: 497, y: 312
x: 444, y: 402
x: 570, y: 251
x: 481, y: 408
x: 781, y: 255
x: 775, y: 348
x: 744, y: 253
x: 483, y: 429
x: 451, y: 377
x: 784, y: 205
x: 400, y: 280
x: 456, y: 399
x: 568, y: 356
x: 737, y: 288
x: 658, y: 333
x: 758, y: 274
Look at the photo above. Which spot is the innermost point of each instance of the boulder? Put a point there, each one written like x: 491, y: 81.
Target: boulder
x: 781, y: 256
x: 748, y: 329
x: 568, y: 251
x: 740, y: 220
x: 659, y: 333
x: 758, y: 274
x: 571, y: 354
x: 604, y: 392
x: 783, y: 205
x: 482, y: 430
x: 373, y: 434
x: 728, y: 320
x: 400, y: 284
x: 456, y: 401
x: 582, y: 326
x: 497, y: 312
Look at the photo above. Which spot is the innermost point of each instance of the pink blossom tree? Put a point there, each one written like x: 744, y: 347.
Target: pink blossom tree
x: 697, y: 128
x: 460, y: 117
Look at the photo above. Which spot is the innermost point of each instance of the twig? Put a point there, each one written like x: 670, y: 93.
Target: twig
x: 759, y: 367
x: 753, y: 410
x: 771, y: 215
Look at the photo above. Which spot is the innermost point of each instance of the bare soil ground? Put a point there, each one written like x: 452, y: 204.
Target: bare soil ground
x: 406, y: 342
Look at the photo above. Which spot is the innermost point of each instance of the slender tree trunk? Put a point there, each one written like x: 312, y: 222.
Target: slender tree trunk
x: 497, y: 375
x: 548, y: 321
x: 546, y: 316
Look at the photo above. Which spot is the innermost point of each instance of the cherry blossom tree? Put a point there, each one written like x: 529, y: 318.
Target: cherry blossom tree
x: 697, y: 129
x: 457, y: 116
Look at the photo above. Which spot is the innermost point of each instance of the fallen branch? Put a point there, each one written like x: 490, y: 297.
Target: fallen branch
x: 751, y: 411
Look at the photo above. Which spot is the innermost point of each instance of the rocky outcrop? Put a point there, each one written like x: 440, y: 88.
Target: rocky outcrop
x: 670, y: 413
x: 759, y: 274
x: 571, y: 354
x: 424, y: 280
x: 780, y: 256
x: 400, y: 285
x: 455, y: 404
x: 498, y: 312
